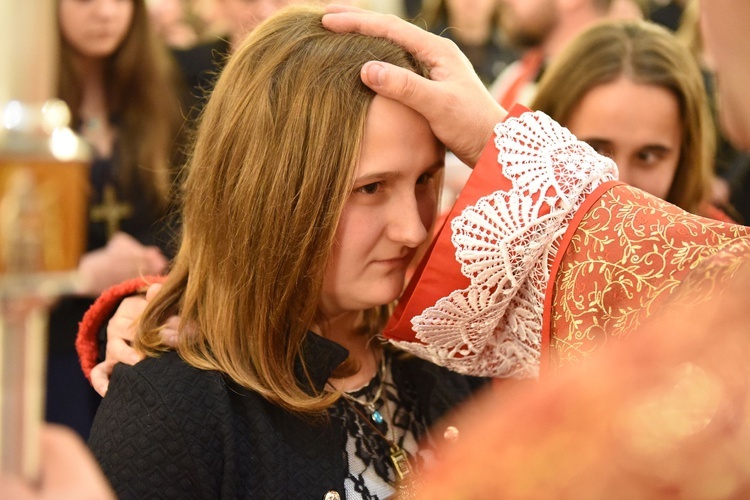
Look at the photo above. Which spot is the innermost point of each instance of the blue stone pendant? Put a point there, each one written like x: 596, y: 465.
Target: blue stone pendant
x: 376, y: 417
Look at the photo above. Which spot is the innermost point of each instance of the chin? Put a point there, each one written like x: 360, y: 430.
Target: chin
x: 383, y: 296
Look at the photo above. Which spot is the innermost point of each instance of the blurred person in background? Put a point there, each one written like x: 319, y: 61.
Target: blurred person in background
x: 475, y: 27
x: 123, y: 93
x: 731, y: 186
x: 629, y: 9
x: 668, y: 13
x: 634, y: 93
x: 540, y: 29
x: 174, y: 23
x: 202, y: 63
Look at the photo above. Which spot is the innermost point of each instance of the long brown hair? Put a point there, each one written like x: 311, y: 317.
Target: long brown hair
x: 646, y: 54
x: 273, y: 165
x: 143, y: 92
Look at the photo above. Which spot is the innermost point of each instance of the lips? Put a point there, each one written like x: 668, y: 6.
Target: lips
x: 395, y: 262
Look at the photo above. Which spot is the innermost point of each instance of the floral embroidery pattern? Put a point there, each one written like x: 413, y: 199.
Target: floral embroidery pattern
x: 506, y: 243
x: 631, y: 253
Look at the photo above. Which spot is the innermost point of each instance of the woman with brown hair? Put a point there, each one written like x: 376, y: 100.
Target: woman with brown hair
x: 634, y: 93
x: 305, y: 200
x: 122, y: 91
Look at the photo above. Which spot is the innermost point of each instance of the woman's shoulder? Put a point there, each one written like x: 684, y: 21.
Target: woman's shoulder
x: 170, y: 416
x: 169, y: 377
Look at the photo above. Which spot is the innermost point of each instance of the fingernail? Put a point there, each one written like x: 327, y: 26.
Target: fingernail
x: 375, y: 73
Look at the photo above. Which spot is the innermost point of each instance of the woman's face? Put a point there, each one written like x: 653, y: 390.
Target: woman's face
x: 95, y: 28
x: 389, y: 212
x: 638, y: 126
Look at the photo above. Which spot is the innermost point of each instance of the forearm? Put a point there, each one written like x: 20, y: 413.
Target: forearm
x: 92, y: 331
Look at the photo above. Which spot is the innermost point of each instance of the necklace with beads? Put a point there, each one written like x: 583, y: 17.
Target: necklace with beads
x: 375, y: 415
x: 398, y: 455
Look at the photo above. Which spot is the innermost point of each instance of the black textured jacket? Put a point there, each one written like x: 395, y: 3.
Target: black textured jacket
x: 168, y: 430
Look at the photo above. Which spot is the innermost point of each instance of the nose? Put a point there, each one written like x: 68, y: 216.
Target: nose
x: 406, y: 225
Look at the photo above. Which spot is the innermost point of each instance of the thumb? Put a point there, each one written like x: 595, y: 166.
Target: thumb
x: 153, y: 289
x: 397, y: 83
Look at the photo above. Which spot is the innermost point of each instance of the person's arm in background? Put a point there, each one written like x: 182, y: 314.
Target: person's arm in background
x: 68, y: 470
x: 123, y: 258
x: 106, y: 333
x: 724, y: 28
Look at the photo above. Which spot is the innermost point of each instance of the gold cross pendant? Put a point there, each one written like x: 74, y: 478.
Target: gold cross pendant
x: 110, y: 211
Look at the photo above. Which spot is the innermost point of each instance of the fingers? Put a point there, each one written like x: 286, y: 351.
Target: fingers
x: 153, y: 289
x: 425, y: 46
x: 121, y: 331
x: 153, y: 261
x: 100, y: 375
x: 123, y: 242
x: 460, y: 110
x: 399, y: 84
x: 120, y: 350
x: 170, y: 331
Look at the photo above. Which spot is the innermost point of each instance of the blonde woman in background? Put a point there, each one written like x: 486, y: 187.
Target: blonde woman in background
x: 634, y: 93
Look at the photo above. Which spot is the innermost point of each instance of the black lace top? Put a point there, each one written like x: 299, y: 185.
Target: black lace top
x: 371, y: 474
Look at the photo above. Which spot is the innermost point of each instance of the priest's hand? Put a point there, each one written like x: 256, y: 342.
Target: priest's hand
x: 461, y: 112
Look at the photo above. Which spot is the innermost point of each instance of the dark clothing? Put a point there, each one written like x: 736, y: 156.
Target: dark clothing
x: 668, y: 15
x: 200, y: 66
x: 168, y: 430
x: 488, y: 59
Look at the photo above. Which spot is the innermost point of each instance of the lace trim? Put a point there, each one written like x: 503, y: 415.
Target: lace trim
x: 506, y: 244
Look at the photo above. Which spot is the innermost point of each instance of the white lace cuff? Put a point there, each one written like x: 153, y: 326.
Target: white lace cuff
x: 506, y: 244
